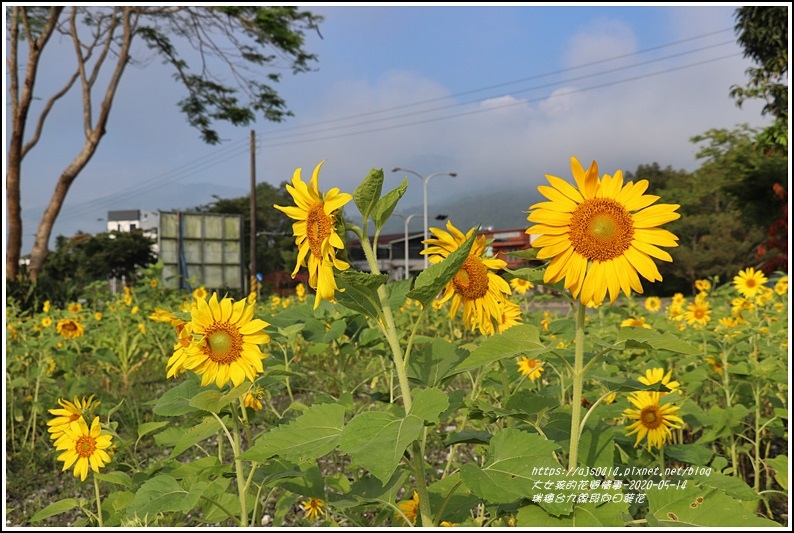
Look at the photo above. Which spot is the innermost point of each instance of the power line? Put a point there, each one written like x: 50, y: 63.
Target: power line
x: 504, y: 106
x: 519, y: 91
x: 498, y: 85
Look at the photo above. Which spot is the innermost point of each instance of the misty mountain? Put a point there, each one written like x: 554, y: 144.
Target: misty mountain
x: 499, y: 209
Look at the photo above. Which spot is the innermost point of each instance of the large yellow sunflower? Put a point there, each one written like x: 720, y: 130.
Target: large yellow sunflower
x: 476, y: 286
x: 227, y: 347
x: 651, y: 419
x: 315, y: 232
x: 749, y: 282
x: 600, y: 234
x: 82, y: 447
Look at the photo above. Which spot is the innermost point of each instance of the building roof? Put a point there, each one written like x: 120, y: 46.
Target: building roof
x: 126, y: 214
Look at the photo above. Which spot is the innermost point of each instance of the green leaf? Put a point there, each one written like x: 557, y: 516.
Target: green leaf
x: 511, y: 343
x: 119, y: 478
x: 584, y: 515
x: 398, y: 291
x: 208, y: 427
x: 596, y: 445
x: 384, y: 207
x: 435, y: 277
x: 529, y: 253
x: 516, y: 463
x: 163, y: 494
x: 310, y: 436
x: 732, y: 486
x: 148, y: 427
x: 650, y: 339
x: 458, y: 504
x: 435, y: 362
x: 377, y: 440
x: 693, y: 506
x: 779, y: 465
x: 61, y: 506
x: 469, y: 436
x: 176, y: 401
x: 309, y: 484
x: 360, y: 291
x: 367, y: 193
x: 535, y: 275
x: 370, y: 490
x: 694, y: 454
x: 213, y: 401
x: 428, y: 404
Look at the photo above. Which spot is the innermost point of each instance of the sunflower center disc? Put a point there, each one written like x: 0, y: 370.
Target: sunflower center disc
x: 601, y: 229
x: 318, y: 228
x: 85, y: 446
x: 223, y: 345
x: 471, y: 281
x: 650, y: 417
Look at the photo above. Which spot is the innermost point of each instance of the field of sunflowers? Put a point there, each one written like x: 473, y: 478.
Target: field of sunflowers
x: 464, y: 397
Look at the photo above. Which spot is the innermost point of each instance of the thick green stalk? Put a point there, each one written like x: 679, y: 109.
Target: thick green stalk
x: 389, y: 329
x: 238, y: 467
x: 98, y: 501
x: 578, y: 379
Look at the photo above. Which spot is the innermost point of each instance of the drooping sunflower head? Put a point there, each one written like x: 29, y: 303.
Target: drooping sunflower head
x: 68, y: 413
x: 316, y: 233
x: 225, y: 342
x: 69, y: 328
x: 651, y: 418
x: 600, y: 234
x: 749, y: 282
x: 656, y: 375
x: 475, y: 286
x: 521, y: 286
x: 635, y: 322
x: 409, y: 508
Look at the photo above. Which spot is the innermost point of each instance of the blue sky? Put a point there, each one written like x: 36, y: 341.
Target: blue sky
x: 501, y: 95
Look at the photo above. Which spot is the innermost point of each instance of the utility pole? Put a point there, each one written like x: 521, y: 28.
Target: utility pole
x: 252, y: 282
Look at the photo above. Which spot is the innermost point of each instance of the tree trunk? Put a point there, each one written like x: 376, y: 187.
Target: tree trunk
x: 93, y: 132
x: 20, y: 105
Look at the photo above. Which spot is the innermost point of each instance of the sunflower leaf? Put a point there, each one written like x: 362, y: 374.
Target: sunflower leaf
x: 384, y: 207
x: 657, y: 341
x: 360, y: 291
x: 513, y: 342
x: 367, y: 193
x: 377, y: 440
x: 693, y: 506
x: 313, y: 434
x: 61, y: 506
x: 433, y: 279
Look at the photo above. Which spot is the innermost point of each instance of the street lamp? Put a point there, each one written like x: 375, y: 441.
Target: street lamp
x: 406, y: 221
x: 425, y: 179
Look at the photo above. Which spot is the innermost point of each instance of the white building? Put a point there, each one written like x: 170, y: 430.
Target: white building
x: 131, y: 219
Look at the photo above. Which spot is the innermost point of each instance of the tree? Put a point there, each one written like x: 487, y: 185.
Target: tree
x: 712, y: 238
x: 85, y: 258
x: 763, y: 34
x: 244, y: 39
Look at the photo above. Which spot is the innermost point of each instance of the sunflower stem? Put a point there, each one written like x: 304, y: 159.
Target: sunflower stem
x: 98, y: 501
x: 238, y: 466
x: 578, y: 377
x: 661, y: 461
